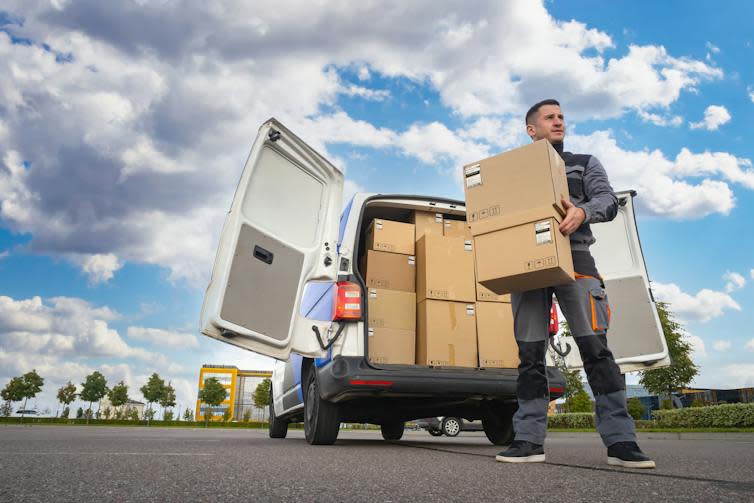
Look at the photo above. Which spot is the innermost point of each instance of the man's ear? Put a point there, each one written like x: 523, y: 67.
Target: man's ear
x: 531, y: 131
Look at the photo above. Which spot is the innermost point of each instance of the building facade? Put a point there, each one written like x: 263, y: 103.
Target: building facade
x: 240, y: 386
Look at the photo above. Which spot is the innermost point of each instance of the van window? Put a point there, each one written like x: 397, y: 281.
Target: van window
x: 283, y: 199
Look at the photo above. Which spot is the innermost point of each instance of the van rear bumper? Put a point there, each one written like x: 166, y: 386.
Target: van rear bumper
x: 351, y: 377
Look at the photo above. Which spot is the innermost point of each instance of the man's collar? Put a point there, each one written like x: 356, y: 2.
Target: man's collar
x: 559, y: 147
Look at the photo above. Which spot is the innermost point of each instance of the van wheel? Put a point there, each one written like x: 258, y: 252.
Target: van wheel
x: 435, y: 433
x: 451, y: 426
x: 321, y: 418
x: 498, y: 425
x: 392, y: 431
x: 278, y: 428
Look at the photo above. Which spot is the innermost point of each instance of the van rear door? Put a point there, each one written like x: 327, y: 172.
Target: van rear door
x: 280, y: 233
x: 635, y: 335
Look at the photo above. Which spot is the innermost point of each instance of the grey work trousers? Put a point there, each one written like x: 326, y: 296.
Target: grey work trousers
x: 585, y: 307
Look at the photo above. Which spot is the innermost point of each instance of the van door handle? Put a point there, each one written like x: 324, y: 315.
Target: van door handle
x: 263, y: 255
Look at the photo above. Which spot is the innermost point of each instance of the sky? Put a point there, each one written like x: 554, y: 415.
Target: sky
x: 124, y: 127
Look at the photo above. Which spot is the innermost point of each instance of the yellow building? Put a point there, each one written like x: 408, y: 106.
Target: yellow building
x: 240, y: 385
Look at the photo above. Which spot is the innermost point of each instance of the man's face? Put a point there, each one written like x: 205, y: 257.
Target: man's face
x: 549, y: 124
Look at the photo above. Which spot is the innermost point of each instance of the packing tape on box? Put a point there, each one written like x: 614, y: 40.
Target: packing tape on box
x: 452, y: 353
x: 452, y: 312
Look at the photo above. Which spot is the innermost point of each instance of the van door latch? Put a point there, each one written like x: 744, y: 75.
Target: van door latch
x: 328, y: 261
x: 274, y: 135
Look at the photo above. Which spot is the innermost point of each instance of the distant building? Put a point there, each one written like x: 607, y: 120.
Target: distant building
x: 240, y: 385
x: 127, y: 408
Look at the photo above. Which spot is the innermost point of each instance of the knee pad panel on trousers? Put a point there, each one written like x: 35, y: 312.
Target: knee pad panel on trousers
x: 532, y: 375
x: 602, y: 372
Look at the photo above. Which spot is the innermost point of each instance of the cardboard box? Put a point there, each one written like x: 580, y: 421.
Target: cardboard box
x: 496, y: 341
x: 446, y: 334
x: 501, y: 191
x: 445, y: 269
x: 388, y: 345
x: 456, y: 228
x: 390, y: 236
x: 391, y: 271
x: 524, y: 257
x: 486, y: 295
x: 427, y: 222
x: 391, y: 309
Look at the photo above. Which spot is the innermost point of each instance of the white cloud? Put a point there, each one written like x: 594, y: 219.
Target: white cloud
x: 734, y: 281
x: 714, y: 117
x: 129, y: 119
x: 100, y: 268
x: 698, y: 348
x: 751, y: 273
x: 711, y: 50
x: 364, y: 73
x: 751, y: 95
x: 663, y: 187
x: 704, y: 306
x: 367, y: 94
x: 739, y: 375
x: 162, y: 337
x: 721, y: 345
x: 659, y: 120
x: 4, y: 254
x: 750, y: 345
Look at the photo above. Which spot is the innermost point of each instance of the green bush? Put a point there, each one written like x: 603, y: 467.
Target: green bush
x: 644, y: 424
x: 635, y: 408
x: 571, y: 420
x: 698, y: 402
x: 580, y: 402
x: 735, y: 415
x: 666, y: 404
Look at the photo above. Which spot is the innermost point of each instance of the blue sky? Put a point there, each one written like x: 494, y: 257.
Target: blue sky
x: 122, y: 138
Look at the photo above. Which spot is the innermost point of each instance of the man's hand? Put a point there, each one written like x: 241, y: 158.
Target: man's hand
x: 573, y: 219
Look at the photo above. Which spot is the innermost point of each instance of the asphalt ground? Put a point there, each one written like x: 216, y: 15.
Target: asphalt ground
x: 59, y: 463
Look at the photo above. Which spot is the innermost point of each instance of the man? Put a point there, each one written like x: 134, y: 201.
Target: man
x: 584, y: 304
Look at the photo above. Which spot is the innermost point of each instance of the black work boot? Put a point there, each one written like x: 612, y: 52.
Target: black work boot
x: 628, y: 455
x: 521, y: 451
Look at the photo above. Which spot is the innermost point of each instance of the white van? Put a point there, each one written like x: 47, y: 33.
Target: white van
x: 286, y: 284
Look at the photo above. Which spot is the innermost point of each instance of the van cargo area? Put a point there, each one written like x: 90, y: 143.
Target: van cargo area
x: 413, y: 390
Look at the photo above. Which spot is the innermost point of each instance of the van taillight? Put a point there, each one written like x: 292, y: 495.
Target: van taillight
x: 347, y: 301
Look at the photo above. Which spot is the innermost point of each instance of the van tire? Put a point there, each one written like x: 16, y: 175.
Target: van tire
x: 498, y: 425
x: 392, y: 431
x: 278, y: 428
x: 321, y: 418
x: 434, y: 433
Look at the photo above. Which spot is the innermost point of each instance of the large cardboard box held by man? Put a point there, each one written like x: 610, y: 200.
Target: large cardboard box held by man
x: 391, y: 271
x: 497, y: 344
x: 446, y: 334
x: 389, y: 236
x: 445, y: 269
x: 513, y: 204
x: 507, y: 189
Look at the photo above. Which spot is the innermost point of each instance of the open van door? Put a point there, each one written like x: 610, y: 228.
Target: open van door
x: 281, y: 232
x: 635, y: 335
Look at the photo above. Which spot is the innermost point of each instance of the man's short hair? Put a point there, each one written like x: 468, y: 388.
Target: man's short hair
x: 535, y: 108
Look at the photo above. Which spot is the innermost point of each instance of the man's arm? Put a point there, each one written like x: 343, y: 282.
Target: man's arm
x: 601, y: 202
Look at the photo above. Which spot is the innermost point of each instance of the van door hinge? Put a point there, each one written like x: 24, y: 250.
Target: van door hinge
x: 274, y: 135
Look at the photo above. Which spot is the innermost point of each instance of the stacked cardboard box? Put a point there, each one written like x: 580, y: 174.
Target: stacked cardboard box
x: 389, y: 269
x: 513, y: 203
x: 445, y: 291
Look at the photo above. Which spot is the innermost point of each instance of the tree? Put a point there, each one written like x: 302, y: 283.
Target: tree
x: 579, y: 402
x: 188, y: 415
x: 261, y: 396
x: 226, y: 416
x: 212, y: 394
x: 22, y: 388
x: 7, y: 409
x: 246, y: 415
x: 167, y: 400
x: 118, y: 397
x: 167, y: 415
x: 67, y: 394
x: 66, y: 412
x: 153, y: 391
x: 635, y: 408
x: 79, y: 413
x: 682, y: 370
x: 107, y: 412
x: 92, y: 390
